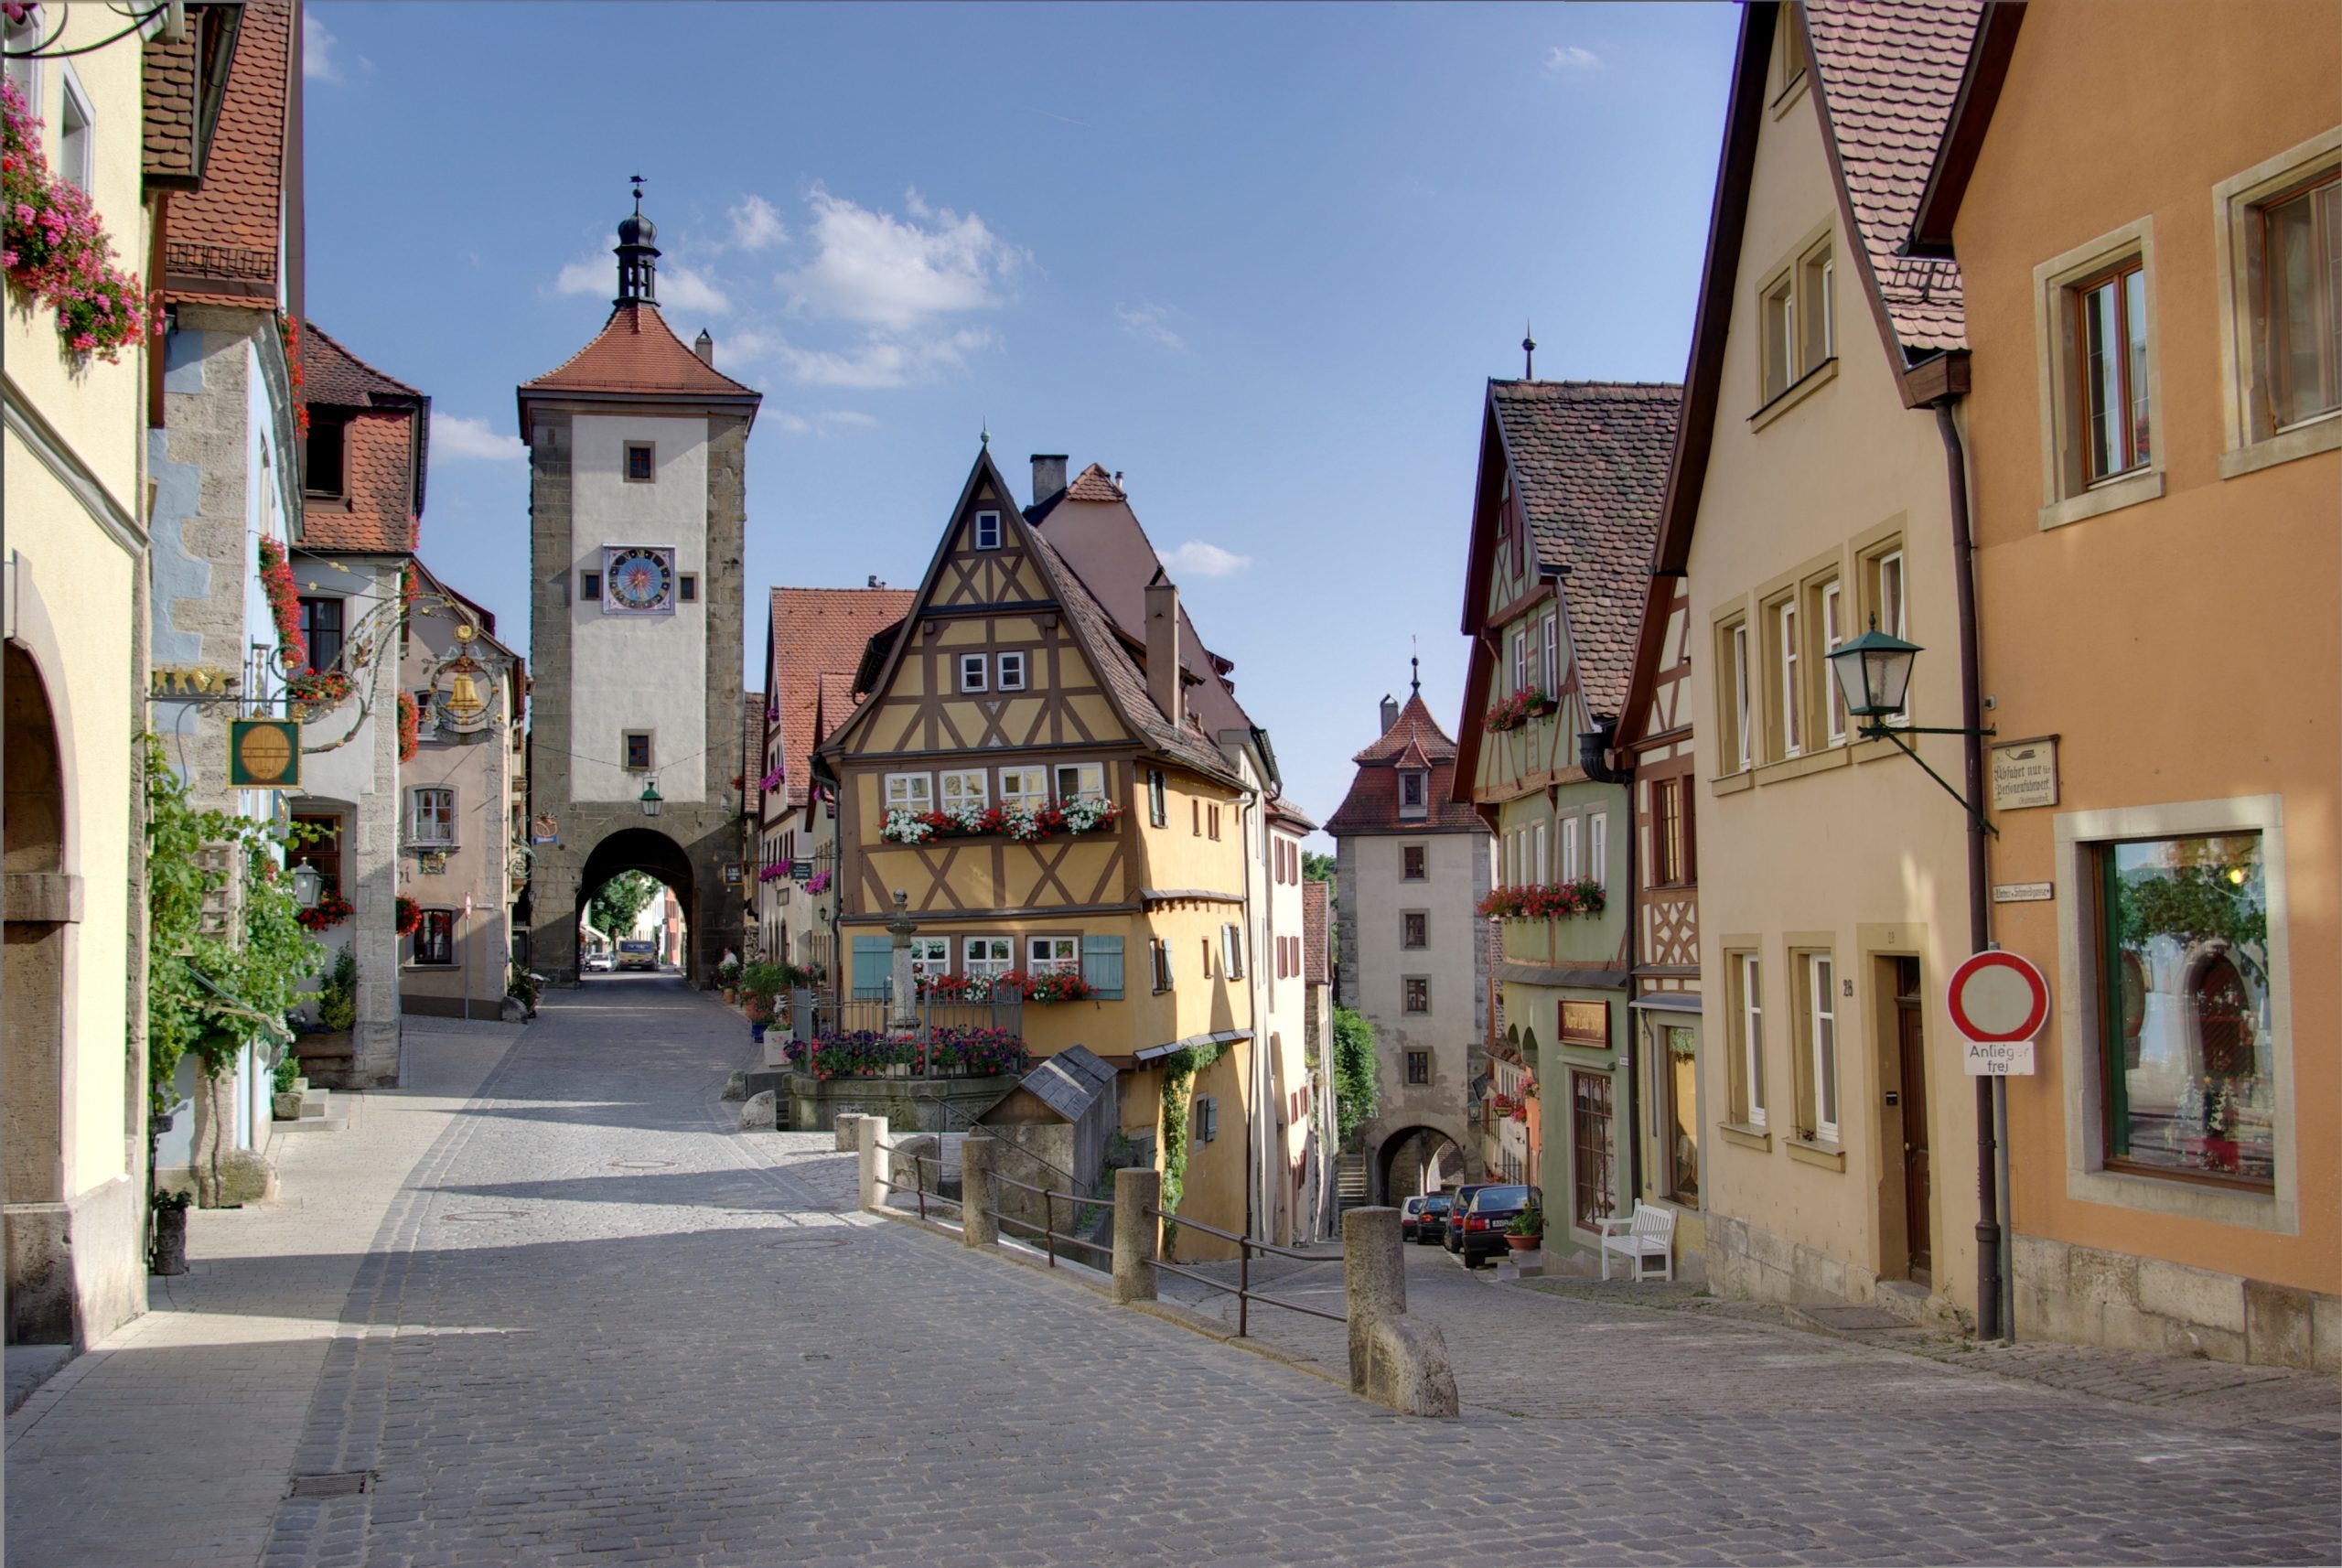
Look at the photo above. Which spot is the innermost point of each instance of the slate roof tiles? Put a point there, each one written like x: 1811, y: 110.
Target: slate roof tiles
x: 1890, y: 70
x: 1589, y: 459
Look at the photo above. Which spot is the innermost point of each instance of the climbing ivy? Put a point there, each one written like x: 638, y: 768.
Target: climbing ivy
x: 1355, y: 1086
x: 1180, y: 1070
x: 208, y: 992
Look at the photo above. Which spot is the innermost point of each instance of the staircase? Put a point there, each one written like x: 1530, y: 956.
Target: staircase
x: 1349, y: 1181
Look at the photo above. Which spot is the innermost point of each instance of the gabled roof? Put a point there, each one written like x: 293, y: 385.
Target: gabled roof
x: 1291, y: 818
x: 636, y: 355
x: 815, y: 636
x: 1589, y: 463
x: 223, y: 240
x: 333, y: 376
x: 837, y: 701
x: 1316, y: 946
x: 1889, y: 74
x: 1094, y: 484
x: 1414, y: 727
x: 1415, y: 742
x: 1963, y: 137
x: 385, y: 453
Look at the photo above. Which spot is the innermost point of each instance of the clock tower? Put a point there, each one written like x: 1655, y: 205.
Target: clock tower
x: 638, y: 451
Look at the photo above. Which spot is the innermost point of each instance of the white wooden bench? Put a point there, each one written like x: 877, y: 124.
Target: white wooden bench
x: 1649, y: 1233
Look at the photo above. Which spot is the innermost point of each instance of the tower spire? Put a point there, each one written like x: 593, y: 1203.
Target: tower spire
x: 1527, y: 353
x: 638, y: 256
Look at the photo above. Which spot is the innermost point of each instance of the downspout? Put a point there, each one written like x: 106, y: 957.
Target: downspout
x: 1991, y: 1172
x: 1256, y: 1143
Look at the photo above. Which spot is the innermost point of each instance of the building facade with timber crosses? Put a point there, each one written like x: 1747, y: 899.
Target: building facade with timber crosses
x: 1041, y: 766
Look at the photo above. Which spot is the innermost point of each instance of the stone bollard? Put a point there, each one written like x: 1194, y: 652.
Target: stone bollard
x: 845, y: 1130
x: 1395, y: 1359
x: 872, y: 1131
x: 757, y: 1114
x: 1138, y: 1235
x: 977, y: 1227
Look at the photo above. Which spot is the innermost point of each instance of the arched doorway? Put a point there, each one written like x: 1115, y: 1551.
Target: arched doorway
x: 655, y: 856
x: 32, y: 1060
x: 1416, y: 1159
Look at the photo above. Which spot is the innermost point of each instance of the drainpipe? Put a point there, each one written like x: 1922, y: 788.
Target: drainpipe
x: 1991, y: 1153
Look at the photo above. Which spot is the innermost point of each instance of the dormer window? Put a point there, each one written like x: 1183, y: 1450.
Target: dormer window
x: 1414, y: 792
x: 987, y: 531
x: 321, y: 468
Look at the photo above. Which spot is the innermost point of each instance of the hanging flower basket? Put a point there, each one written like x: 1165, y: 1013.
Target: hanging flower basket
x: 330, y: 910
x: 410, y: 727
x: 54, y: 248
x: 283, y: 603
x: 408, y: 915
x: 1518, y: 709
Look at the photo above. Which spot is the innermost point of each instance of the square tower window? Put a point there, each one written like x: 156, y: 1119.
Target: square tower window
x: 640, y: 465
x: 637, y: 751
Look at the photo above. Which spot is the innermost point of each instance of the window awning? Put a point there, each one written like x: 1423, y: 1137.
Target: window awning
x: 1224, y: 1038
x: 1667, y: 1001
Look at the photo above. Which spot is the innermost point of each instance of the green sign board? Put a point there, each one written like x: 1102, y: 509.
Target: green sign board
x: 264, y: 754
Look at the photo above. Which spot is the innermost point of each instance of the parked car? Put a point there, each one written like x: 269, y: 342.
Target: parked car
x: 1420, y: 1217
x: 1490, y: 1210
x: 596, y: 964
x: 1451, y: 1233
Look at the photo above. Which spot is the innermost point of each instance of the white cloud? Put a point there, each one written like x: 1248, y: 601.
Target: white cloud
x: 756, y: 226
x: 688, y: 288
x: 878, y: 362
x: 1197, y: 559
x: 452, y: 436
x: 896, y: 274
x: 317, y: 50
x: 1569, y: 57
x: 827, y: 424
x: 594, y: 275
x: 1150, y: 322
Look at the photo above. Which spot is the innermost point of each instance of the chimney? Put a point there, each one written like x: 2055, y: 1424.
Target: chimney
x: 1163, y: 682
x: 1048, y: 475
x: 705, y: 348
x: 1390, y: 713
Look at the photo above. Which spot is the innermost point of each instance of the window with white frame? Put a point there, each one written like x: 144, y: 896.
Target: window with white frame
x: 2280, y: 233
x: 1832, y: 620
x: 973, y: 670
x: 1055, y: 955
x: 23, y: 32
x: 1890, y: 601
x: 1788, y: 696
x: 1597, y: 847
x: 1553, y: 663
x: 989, y: 957
x: 435, y: 939
x: 1012, y: 671
x: 963, y: 790
x: 910, y: 792
x: 1231, y: 951
x: 987, y: 531
x: 1025, y: 787
x: 1158, y: 799
x: 1821, y: 1041
x: 1160, y: 963
x: 930, y: 956
x: 1570, y: 863
x: 1520, y: 658
x: 77, y: 133
x: 2111, y: 331
x: 1539, y: 863
x: 430, y: 817
x: 1082, y: 781
x: 1732, y: 694
x: 1748, y: 1081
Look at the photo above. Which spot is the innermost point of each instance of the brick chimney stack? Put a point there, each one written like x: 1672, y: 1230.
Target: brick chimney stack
x: 1163, y: 682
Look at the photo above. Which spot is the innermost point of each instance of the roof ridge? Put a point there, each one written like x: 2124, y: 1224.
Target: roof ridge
x: 310, y: 325
x: 633, y: 310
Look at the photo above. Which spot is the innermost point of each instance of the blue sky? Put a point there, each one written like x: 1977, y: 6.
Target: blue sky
x: 1261, y: 260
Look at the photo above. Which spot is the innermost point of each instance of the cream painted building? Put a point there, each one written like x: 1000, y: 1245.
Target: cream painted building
x: 1810, y: 493
x: 74, y: 593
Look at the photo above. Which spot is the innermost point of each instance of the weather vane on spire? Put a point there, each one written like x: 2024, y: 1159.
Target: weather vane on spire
x: 983, y: 433
x: 1415, y: 668
x: 1527, y: 353
x: 637, y: 192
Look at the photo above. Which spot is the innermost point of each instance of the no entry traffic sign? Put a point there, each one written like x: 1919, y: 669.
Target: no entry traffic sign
x: 1999, y: 1003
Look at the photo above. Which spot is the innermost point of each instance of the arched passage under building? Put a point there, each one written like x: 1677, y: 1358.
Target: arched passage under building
x: 1416, y: 1159
x: 32, y: 1063
x: 657, y: 856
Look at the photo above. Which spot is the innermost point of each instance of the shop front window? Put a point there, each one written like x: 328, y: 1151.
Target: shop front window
x: 2184, y: 971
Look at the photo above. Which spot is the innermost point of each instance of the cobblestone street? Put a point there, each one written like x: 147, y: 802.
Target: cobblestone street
x: 562, y: 1315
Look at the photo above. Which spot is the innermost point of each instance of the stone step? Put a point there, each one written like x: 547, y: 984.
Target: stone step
x: 320, y: 1112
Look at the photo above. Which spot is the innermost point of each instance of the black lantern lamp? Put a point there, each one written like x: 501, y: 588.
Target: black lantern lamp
x: 307, y: 885
x: 1874, y: 676
x: 652, y: 799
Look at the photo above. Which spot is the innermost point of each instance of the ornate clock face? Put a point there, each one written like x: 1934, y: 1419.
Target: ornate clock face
x: 638, y: 580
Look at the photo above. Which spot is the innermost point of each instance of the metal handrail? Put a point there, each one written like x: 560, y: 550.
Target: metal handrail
x: 1050, y: 1234
x: 1242, y: 1290
x: 918, y: 1184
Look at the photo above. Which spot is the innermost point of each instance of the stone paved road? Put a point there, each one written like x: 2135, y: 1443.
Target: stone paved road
x: 594, y: 1327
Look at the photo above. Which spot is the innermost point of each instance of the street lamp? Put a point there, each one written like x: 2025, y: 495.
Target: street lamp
x: 307, y: 885
x: 652, y: 800
x: 1874, y: 675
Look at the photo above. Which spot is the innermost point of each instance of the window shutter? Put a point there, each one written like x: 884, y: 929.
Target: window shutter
x: 873, y: 958
x: 1101, y: 966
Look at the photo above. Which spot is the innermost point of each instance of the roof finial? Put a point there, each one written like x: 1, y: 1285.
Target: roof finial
x: 984, y: 434
x: 638, y: 253
x: 638, y: 194
x: 1414, y: 667
x: 1527, y: 353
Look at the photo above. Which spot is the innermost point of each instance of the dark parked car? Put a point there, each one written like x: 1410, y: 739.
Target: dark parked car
x: 1420, y: 1218
x: 1490, y: 1210
x: 1451, y: 1233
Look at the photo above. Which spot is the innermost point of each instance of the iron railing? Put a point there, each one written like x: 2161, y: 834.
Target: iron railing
x: 920, y: 1162
x: 1050, y: 1234
x: 1242, y: 1290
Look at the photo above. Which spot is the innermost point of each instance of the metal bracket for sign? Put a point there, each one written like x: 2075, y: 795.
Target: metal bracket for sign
x: 1896, y: 734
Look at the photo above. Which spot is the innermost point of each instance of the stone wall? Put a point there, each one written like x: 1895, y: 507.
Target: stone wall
x: 909, y: 1104
x: 2089, y: 1296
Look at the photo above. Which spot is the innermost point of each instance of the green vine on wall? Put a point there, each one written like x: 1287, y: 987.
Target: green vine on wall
x: 209, y: 991
x: 1180, y: 1070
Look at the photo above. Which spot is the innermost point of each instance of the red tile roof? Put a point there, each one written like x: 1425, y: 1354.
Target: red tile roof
x: 375, y: 515
x: 1414, y: 726
x: 333, y: 376
x: 1889, y: 72
x: 220, y: 245
x: 1094, y: 484
x: 1316, y: 950
x: 1413, y: 741
x: 838, y: 701
x: 1288, y: 815
x: 1589, y: 459
x: 818, y: 635
x: 637, y: 351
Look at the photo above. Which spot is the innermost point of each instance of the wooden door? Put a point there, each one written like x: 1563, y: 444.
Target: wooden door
x: 1918, y: 1179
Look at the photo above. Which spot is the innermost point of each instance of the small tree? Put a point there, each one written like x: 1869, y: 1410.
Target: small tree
x: 1355, y: 1084
x: 1316, y: 867
x: 619, y: 902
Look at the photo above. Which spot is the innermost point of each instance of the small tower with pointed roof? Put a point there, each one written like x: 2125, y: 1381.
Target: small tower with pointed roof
x: 1411, y: 866
x: 638, y: 450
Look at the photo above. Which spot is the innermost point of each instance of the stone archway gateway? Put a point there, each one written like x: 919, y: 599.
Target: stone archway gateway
x: 1401, y: 1159
x: 32, y: 1085
x: 637, y: 448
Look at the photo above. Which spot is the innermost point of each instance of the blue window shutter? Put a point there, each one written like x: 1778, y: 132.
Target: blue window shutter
x: 873, y: 958
x: 1102, y: 965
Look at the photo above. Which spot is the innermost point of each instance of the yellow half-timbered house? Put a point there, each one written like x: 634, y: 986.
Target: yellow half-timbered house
x: 1029, y: 776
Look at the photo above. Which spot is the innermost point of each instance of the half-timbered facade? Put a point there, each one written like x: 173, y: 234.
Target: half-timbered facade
x: 1570, y: 478
x: 1029, y: 777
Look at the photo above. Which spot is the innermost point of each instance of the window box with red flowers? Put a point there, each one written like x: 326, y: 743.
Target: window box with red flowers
x: 1026, y: 824
x: 1550, y: 901
x: 1518, y: 709
x: 55, y: 249
x: 330, y: 910
x: 1046, y: 986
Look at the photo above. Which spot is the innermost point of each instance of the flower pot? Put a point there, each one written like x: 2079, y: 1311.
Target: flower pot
x: 1524, y: 1243
x: 286, y: 1107
x: 757, y: 1032
x: 170, y: 1241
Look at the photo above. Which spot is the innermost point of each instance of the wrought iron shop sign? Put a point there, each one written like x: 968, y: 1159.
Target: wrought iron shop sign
x: 264, y: 754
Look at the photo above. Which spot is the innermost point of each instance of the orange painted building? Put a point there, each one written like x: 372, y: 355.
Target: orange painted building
x: 2146, y: 203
